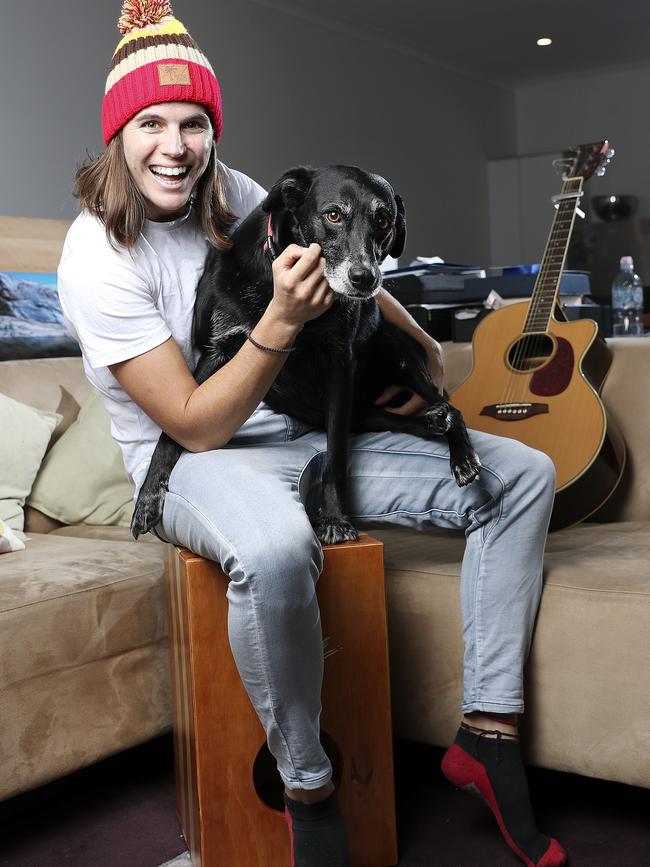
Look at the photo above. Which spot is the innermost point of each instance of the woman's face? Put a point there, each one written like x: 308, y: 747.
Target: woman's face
x: 167, y: 148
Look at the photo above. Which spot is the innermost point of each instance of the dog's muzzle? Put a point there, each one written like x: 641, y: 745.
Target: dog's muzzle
x: 357, y: 282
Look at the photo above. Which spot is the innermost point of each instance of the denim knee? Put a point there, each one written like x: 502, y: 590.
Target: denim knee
x: 541, y: 470
x: 284, y: 568
x: 519, y: 460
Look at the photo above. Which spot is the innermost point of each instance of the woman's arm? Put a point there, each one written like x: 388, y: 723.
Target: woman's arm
x: 393, y: 312
x: 203, y: 417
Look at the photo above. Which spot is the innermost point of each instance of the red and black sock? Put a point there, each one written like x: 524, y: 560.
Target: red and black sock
x: 488, y: 764
x: 317, y: 833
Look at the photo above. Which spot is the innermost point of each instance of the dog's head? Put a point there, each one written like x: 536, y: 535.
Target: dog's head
x: 355, y: 217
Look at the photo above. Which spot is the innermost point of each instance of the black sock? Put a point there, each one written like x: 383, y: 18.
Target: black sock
x: 317, y: 833
x: 488, y: 764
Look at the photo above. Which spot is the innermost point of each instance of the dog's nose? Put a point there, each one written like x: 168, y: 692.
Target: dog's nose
x: 361, y: 278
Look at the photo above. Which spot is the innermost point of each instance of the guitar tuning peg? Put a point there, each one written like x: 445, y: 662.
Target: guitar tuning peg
x: 610, y: 154
x: 601, y: 171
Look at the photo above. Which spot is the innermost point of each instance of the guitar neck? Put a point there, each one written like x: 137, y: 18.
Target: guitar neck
x: 547, y: 284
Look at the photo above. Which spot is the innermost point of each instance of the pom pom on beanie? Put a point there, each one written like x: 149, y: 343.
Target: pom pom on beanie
x: 139, y: 13
x: 156, y: 61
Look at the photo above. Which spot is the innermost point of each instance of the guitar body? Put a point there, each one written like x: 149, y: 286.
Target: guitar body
x: 543, y: 389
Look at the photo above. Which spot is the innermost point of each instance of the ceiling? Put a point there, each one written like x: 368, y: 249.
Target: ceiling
x: 496, y: 41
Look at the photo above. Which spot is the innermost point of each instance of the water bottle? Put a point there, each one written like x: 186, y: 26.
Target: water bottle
x: 627, y: 301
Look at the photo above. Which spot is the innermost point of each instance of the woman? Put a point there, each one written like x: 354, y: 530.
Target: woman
x: 243, y: 490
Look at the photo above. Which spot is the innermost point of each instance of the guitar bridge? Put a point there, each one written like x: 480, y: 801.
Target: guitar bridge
x: 514, y: 411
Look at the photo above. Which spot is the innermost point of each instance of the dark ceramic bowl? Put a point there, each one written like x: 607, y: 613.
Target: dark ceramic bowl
x: 610, y: 208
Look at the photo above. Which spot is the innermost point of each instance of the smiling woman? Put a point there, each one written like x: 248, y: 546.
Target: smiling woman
x: 161, y: 118
x: 167, y: 152
x: 151, y: 169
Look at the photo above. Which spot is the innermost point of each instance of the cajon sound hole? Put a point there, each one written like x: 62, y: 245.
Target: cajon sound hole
x: 268, y: 783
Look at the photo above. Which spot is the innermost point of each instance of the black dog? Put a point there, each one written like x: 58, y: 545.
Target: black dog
x: 344, y: 359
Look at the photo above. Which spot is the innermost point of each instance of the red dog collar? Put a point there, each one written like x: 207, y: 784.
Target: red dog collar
x: 269, y: 245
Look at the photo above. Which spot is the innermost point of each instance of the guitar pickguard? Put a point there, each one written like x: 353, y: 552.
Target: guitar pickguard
x: 554, y: 377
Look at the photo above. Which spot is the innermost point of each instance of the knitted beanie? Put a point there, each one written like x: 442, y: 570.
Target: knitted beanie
x: 156, y: 61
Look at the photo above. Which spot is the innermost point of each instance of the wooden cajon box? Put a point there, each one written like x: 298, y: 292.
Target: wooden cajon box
x: 218, y: 738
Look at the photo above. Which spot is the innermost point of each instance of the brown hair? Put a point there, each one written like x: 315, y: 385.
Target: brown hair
x: 104, y: 187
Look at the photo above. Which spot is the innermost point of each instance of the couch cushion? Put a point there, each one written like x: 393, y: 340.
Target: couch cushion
x: 587, y: 675
x: 113, y: 534
x: 84, y: 660
x: 23, y: 440
x: 590, y: 557
x: 52, y: 384
x: 67, y: 601
x: 82, y: 479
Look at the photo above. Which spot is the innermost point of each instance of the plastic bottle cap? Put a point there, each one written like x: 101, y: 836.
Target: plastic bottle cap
x: 627, y: 262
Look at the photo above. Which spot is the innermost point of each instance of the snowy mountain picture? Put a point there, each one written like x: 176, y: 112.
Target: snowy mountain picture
x: 31, y: 319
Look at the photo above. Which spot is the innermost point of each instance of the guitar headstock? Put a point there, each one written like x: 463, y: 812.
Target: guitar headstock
x: 586, y: 160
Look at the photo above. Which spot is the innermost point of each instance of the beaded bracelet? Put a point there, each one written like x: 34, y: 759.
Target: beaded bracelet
x: 269, y: 348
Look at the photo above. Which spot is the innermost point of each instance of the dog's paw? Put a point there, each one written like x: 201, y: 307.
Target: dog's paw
x: 438, y: 419
x: 466, y: 470
x: 331, y: 531
x: 148, y: 511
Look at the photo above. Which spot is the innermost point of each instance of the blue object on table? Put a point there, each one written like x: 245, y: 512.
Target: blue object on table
x: 521, y: 269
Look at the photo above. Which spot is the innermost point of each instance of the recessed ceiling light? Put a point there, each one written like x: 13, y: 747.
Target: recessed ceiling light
x: 545, y: 40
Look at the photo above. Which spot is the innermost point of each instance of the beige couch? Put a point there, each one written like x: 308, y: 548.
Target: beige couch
x: 83, y: 657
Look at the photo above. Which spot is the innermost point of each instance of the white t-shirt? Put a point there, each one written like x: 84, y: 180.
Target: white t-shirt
x: 119, y: 304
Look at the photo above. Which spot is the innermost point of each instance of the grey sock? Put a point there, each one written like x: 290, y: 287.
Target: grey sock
x: 317, y: 833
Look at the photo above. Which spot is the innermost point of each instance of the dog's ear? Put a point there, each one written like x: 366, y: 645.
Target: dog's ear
x: 399, y: 241
x: 290, y: 191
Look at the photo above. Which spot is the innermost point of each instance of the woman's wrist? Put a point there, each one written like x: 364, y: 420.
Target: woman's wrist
x: 273, y: 330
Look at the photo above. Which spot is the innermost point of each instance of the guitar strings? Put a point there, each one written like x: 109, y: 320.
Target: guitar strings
x: 532, y: 346
x: 516, y: 389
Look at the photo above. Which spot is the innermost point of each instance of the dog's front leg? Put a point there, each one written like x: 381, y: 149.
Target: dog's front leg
x: 151, y: 497
x: 333, y: 523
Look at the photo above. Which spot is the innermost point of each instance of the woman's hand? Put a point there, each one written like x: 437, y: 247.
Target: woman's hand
x: 300, y: 290
x: 416, y: 404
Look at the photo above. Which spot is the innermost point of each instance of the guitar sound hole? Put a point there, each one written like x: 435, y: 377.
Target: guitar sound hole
x: 530, y: 352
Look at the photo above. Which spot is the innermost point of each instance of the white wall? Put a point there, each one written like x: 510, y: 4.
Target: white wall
x: 521, y: 210
x: 558, y: 113
x: 551, y: 116
x: 294, y: 92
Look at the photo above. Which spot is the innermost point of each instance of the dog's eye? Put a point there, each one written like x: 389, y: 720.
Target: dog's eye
x: 333, y: 216
x: 383, y: 223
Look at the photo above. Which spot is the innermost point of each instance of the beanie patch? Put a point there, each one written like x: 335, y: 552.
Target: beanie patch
x: 173, y: 73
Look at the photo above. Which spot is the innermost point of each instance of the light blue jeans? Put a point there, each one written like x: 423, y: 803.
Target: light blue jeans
x: 247, y: 506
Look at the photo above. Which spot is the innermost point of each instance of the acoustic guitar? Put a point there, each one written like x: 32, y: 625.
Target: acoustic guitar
x: 536, y: 377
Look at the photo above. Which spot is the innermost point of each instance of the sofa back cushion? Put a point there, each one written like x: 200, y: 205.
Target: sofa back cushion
x: 53, y: 384
x: 82, y: 479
